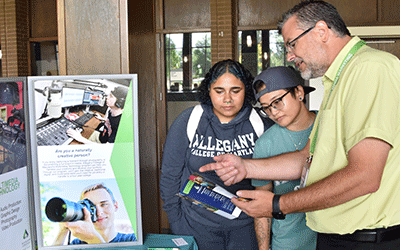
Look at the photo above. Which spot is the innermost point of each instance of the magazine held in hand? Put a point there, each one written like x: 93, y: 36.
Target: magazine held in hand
x: 210, y: 196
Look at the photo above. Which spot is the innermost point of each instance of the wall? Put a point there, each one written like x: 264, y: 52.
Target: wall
x: 43, y: 19
x: 223, y: 30
x: 92, y: 37
x: 266, y: 13
x: 143, y: 60
x: 186, y: 15
x: 14, y: 35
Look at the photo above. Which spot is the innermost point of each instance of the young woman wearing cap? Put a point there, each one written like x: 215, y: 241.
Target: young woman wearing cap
x: 224, y: 126
x: 281, y: 94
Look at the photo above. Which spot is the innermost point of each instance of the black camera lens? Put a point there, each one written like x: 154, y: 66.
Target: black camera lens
x: 61, y: 210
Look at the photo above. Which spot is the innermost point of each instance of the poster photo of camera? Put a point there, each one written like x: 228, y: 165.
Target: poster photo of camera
x: 86, y: 177
x: 74, y: 211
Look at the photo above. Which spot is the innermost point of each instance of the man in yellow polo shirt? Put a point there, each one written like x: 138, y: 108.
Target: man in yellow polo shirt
x: 351, y: 187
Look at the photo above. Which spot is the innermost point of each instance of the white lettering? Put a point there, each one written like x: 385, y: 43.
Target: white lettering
x: 219, y: 145
x: 235, y: 145
x: 196, y: 142
x: 201, y: 146
x: 251, y: 138
x: 243, y: 141
x: 209, y: 146
x: 241, y: 145
x: 227, y: 145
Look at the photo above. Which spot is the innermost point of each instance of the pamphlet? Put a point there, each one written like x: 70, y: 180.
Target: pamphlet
x: 210, y: 196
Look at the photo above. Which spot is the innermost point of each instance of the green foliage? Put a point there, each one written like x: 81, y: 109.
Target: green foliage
x: 201, y: 58
x: 277, y: 50
x: 173, y: 56
x: 50, y: 229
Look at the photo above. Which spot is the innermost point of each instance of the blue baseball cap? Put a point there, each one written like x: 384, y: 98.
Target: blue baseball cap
x: 276, y: 78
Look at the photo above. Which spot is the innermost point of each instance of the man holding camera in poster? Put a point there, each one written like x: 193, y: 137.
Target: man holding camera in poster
x: 95, y: 225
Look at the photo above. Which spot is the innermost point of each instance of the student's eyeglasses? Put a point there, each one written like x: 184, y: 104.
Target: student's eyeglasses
x: 290, y: 45
x: 277, y: 104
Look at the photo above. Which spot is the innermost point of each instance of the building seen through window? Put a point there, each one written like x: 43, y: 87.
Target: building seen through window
x: 188, y: 58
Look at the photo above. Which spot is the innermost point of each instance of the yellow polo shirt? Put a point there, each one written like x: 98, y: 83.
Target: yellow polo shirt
x: 364, y: 103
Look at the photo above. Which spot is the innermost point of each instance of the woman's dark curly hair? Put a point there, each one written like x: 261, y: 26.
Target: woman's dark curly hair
x: 220, y: 68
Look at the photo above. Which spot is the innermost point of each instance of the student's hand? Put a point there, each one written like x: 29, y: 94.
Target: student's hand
x: 98, y: 116
x: 85, y: 230
x: 230, y: 168
x: 258, y: 204
x: 74, y: 134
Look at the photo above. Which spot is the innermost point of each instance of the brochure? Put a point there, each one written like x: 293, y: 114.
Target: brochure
x: 210, y: 196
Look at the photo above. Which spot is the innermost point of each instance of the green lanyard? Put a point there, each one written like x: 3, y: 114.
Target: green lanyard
x: 351, y: 53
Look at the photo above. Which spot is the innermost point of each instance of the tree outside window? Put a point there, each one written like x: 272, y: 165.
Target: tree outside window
x: 268, y: 50
x: 188, y: 58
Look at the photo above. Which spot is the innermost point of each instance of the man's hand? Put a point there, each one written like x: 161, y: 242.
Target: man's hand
x: 84, y: 230
x: 259, y: 205
x: 62, y: 234
x: 230, y: 168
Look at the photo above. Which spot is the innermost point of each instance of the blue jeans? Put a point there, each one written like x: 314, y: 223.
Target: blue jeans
x: 207, y: 238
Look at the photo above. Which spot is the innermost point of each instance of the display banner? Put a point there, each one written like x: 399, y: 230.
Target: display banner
x: 86, y: 167
x: 15, y: 230
x: 15, y: 223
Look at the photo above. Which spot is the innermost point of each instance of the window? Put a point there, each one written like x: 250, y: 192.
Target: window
x: 173, y: 61
x: 201, y: 57
x: 260, y: 49
x: 188, y: 58
x: 44, y: 59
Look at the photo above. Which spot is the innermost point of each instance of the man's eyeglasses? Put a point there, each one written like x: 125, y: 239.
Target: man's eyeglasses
x: 277, y: 104
x: 290, y: 45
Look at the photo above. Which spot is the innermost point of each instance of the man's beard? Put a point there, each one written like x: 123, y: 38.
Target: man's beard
x: 312, y: 70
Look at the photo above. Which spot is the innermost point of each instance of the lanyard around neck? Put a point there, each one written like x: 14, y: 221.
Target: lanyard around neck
x: 349, y: 55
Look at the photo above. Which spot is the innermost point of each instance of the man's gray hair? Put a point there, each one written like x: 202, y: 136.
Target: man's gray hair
x: 308, y: 13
